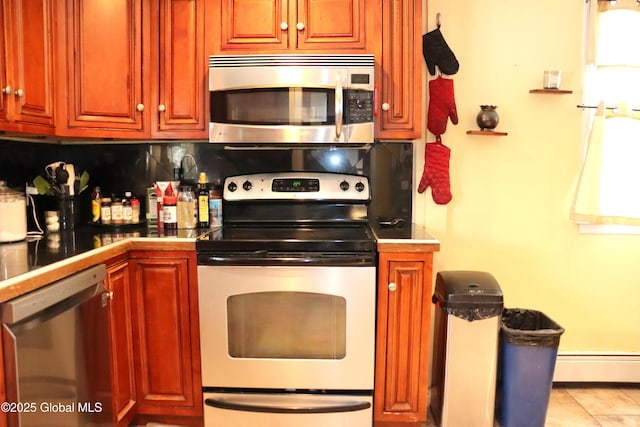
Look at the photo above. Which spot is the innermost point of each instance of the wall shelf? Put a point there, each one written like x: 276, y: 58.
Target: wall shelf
x: 486, y: 132
x: 551, y: 91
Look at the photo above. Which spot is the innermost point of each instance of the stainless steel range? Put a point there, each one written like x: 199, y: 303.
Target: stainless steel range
x: 287, y: 303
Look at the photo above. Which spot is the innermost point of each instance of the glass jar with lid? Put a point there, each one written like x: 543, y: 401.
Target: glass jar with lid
x: 13, y: 214
x: 187, y: 213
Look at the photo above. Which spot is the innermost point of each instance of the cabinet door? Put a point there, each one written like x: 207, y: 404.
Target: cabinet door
x: 251, y: 25
x: 167, y: 335
x: 399, y: 74
x: 402, y: 341
x: 27, y: 75
x: 105, y: 56
x: 121, y: 338
x: 4, y: 82
x: 333, y: 25
x: 179, y: 104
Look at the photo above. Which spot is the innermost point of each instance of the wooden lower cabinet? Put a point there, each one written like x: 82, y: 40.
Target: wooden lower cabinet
x: 166, y: 333
x: 123, y: 388
x: 402, y: 337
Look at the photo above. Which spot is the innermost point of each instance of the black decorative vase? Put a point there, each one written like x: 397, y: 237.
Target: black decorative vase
x: 487, y: 118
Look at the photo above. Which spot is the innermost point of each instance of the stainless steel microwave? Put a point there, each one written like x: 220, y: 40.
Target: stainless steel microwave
x: 291, y: 98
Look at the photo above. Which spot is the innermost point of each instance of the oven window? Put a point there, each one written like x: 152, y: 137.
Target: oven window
x: 274, y: 106
x: 287, y: 325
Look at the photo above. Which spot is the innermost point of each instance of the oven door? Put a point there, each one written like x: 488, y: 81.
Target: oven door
x: 287, y: 327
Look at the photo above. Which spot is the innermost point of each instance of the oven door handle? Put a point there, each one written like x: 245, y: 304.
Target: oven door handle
x: 352, y: 260
x: 274, y: 407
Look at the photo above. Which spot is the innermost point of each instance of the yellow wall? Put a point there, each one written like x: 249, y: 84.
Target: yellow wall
x: 511, y: 195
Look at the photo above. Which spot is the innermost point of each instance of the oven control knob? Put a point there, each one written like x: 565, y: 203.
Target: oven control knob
x: 344, y: 185
x: 359, y: 187
x: 232, y: 186
x: 247, y: 185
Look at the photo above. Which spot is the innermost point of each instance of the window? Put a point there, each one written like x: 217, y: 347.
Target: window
x: 608, y: 190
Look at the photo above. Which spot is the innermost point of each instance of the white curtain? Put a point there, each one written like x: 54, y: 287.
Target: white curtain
x: 608, y: 190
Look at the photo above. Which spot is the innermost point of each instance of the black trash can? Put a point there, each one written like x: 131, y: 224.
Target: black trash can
x: 528, y: 345
x: 465, y: 348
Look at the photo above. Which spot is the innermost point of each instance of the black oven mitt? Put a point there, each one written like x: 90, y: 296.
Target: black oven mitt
x: 436, y: 51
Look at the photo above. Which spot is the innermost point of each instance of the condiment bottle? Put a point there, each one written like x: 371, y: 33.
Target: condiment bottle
x: 170, y: 209
x: 117, y: 213
x: 105, y: 211
x: 215, y: 205
x: 127, y: 211
x: 203, y: 201
x: 135, y: 210
x: 187, y: 203
x: 96, y: 204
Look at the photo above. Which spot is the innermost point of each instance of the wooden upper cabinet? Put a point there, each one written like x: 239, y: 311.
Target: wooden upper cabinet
x: 105, y: 80
x: 179, y: 93
x: 137, y: 69
x: 27, y: 65
x: 4, y: 81
x: 282, y: 26
x: 399, y: 70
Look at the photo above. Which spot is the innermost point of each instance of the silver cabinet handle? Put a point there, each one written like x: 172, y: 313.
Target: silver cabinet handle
x: 7, y: 90
x: 106, y: 296
x: 393, y: 287
x: 385, y: 106
x: 162, y: 108
x: 338, y: 105
x: 19, y: 93
x: 300, y: 26
x: 284, y: 26
x: 140, y: 107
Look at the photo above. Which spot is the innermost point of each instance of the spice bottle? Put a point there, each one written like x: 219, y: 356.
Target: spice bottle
x: 135, y: 210
x: 203, y: 201
x: 117, y: 213
x: 96, y: 204
x: 170, y: 209
x: 127, y: 211
x: 105, y: 211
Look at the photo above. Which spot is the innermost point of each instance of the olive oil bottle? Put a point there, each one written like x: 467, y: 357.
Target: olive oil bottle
x: 203, y: 201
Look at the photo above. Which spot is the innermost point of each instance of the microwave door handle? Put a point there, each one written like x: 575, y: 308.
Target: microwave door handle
x: 338, y: 98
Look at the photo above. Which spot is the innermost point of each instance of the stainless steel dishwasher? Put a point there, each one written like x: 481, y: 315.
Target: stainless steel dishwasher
x: 56, y: 353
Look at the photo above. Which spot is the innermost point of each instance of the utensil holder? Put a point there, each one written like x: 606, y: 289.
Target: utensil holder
x: 67, y: 212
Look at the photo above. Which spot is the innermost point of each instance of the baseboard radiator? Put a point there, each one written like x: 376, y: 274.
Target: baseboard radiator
x: 597, y: 367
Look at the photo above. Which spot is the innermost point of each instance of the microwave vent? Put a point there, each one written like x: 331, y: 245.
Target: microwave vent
x: 333, y: 60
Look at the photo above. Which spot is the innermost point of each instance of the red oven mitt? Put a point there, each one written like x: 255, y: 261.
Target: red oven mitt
x: 436, y: 171
x: 442, y: 105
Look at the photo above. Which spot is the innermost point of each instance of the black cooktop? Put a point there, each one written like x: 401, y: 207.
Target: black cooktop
x: 289, y: 238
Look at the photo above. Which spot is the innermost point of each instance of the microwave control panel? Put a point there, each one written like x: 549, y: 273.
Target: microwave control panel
x: 358, y: 106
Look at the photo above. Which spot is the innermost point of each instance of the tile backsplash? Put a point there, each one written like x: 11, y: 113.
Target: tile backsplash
x: 117, y: 168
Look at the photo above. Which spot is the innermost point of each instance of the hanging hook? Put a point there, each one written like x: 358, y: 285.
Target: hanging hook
x: 438, y: 19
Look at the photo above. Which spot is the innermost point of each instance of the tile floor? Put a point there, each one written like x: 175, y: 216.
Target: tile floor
x: 605, y: 405
x: 586, y: 405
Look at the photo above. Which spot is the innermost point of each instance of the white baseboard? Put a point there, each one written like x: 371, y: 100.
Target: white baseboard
x: 591, y: 367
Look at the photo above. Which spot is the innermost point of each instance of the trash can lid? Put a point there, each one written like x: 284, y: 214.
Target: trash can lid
x: 472, y: 295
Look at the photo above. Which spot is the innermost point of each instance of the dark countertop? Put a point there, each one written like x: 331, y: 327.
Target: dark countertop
x: 39, y: 251
x: 39, y: 260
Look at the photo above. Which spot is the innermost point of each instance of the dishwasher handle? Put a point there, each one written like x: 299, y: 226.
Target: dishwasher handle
x: 25, y: 306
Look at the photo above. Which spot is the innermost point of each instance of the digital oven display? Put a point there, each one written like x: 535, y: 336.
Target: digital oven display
x: 290, y: 185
